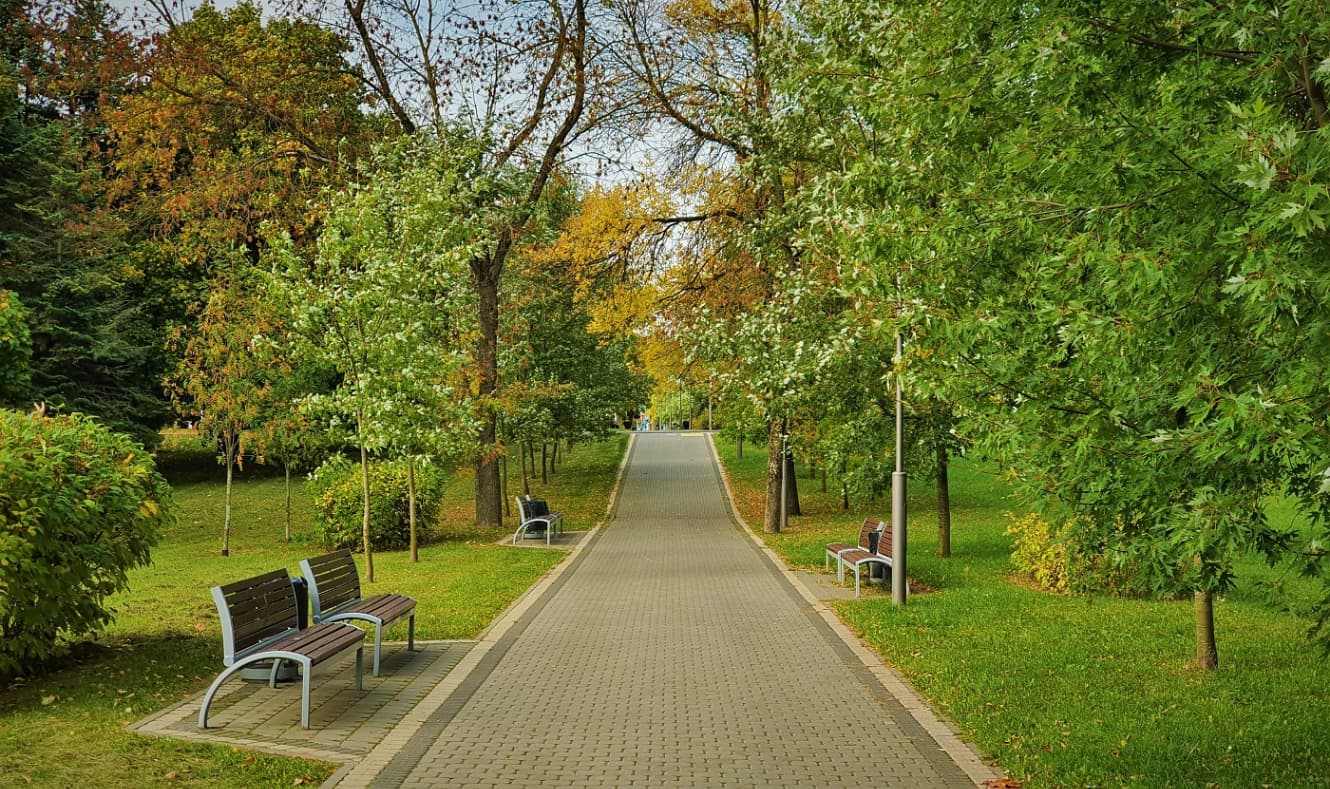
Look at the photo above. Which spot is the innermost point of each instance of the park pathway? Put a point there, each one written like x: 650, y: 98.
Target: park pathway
x: 670, y: 652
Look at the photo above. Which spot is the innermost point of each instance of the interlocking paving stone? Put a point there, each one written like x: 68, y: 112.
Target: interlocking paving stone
x: 345, y: 723
x: 671, y: 653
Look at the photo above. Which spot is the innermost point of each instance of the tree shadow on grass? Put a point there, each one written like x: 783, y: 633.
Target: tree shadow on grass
x: 150, y: 671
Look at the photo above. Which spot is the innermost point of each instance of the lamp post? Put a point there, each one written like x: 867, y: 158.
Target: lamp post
x: 899, y: 589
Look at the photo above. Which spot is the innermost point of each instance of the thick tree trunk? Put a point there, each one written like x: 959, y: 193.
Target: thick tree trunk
x: 771, y: 515
x: 489, y: 508
x: 1207, y: 654
x: 411, y: 506
x: 792, y: 487
x: 943, y: 504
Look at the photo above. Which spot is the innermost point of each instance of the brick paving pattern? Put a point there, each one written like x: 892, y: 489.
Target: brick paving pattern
x: 672, y: 652
x: 345, y: 723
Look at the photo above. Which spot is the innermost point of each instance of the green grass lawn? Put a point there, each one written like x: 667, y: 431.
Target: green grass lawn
x: 1075, y: 691
x: 67, y: 728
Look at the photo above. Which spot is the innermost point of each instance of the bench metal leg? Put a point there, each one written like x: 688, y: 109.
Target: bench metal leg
x: 411, y: 634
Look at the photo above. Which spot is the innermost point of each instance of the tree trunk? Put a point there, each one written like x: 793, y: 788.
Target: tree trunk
x: 824, y: 477
x: 364, y: 489
x: 287, y: 466
x: 507, y: 507
x: 228, y: 449
x: 741, y: 446
x: 489, y: 509
x: 544, y: 463
x: 526, y: 480
x: 791, y: 489
x: 411, y: 507
x: 1207, y: 654
x: 771, y: 516
x: 943, y: 504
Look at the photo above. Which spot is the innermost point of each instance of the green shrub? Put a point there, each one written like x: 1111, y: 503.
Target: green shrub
x: 1038, y: 553
x: 1057, y: 559
x: 79, y: 507
x: 338, y: 503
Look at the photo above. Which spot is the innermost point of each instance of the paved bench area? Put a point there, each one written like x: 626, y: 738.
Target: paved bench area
x: 345, y: 723
x: 670, y: 652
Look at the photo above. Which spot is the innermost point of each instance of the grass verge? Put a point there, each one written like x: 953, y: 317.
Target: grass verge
x: 1074, y: 691
x: 67, y: 728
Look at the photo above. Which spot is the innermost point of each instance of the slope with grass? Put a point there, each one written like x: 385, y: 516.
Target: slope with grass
x: 67, y: 728
x: 1076, y: 691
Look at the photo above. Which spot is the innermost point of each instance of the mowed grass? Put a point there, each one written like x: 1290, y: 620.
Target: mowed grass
x: 1076, y: 691
x: 67, y: 728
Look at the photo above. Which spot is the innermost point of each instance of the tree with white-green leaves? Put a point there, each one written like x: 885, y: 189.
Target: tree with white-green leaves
x: 1110, y: 222
x: 383, y: 298
x: 774, y: 358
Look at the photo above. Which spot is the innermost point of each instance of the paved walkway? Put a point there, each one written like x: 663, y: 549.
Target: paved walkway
x: 670, y: 650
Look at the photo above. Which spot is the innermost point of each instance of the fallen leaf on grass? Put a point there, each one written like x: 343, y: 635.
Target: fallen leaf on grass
x: 1003, y: 783
x: 300, y: 781
x: 171, y: 776
x: 48, y: 700
x: 250, y: 761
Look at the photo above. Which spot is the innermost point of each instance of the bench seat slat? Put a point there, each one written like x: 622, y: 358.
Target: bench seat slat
x: 319, y: 642
x: 388, y: 607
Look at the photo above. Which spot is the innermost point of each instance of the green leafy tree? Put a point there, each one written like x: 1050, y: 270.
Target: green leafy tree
x: 385, y: 283
x: 1114, y: 281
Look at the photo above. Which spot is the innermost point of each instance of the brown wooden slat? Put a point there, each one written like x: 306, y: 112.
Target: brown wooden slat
x: 259, y: 607
x: 386, y: 606
x: 337, y: 578
x: 320, y: 642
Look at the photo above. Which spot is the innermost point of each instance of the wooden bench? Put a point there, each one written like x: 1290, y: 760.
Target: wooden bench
x: 260, y: 621
x: 535, y: 515
x: 334, y: 596
x: 858, y: 558
x: 869, y: 534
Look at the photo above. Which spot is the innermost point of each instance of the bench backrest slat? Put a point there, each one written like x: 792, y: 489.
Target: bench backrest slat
x: 870, y: 525
x: 884, y: 542
x: 254, y: 610
x: 335, y: 580
x: 537, y: 508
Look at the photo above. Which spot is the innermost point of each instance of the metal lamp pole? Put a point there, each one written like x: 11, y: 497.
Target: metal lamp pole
x: 898, y: 479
